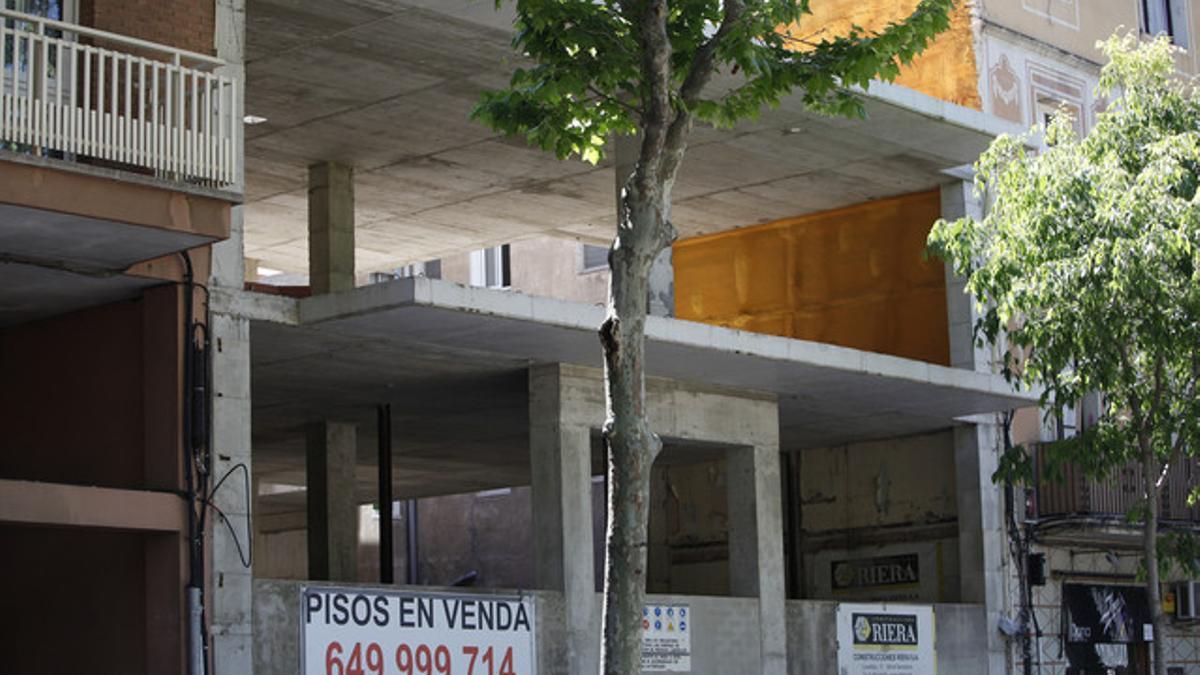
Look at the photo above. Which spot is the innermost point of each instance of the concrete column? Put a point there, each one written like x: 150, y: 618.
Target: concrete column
x: 662, y: 275
x: 330, y: 227
x: 981, y: 545
x: 958, y: 200
x: 230, y: 588
x: 756, y: 545
x: 332, y: 511
x: 981, y: 533
x: 561, y: 465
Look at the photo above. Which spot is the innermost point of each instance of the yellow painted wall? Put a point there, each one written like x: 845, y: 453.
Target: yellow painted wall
x: 947, y: 68
x: 854, y: 277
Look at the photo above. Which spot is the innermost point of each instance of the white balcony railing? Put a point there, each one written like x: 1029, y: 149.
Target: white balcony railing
x: 88, y: 95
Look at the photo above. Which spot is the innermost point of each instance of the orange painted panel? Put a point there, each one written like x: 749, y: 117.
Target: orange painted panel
x: 947, y: 68
x: 855, y: 277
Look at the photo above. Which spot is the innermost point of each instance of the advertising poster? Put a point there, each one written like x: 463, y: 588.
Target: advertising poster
x: 885, y: 640
x: 347, y: 631
x: 667, y: 638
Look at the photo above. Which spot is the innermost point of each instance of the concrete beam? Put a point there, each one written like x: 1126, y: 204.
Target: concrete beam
x: 25, y: 502
x: 330, y: 227
x: 332, y: 511
x: 756, y: 546
x: 561, y: 467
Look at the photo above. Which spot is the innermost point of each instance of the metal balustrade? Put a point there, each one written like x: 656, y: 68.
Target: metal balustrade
x: 1113, y: 495
x: 88, y: 95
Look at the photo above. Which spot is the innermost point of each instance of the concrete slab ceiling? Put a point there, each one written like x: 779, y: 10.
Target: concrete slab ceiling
x: 388, y: 86
x: 31, y: 292
x: 451, y: 360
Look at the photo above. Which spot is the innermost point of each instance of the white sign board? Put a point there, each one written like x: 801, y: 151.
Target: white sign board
x: 886, y: 639
x: 667, y: 638
x: 347, y: 631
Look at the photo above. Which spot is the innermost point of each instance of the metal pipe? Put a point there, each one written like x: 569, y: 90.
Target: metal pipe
x: 195, y: 609
x: 411, y: 573
x: 384, y: 432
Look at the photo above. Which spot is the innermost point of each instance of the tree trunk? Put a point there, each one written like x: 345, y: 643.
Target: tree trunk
x: 632, y: 445
x: 1150, y: 551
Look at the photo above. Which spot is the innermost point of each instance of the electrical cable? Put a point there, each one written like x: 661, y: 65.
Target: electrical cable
x: 248, y: 557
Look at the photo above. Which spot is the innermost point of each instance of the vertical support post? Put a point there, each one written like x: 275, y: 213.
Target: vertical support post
x: 386, y: 561
x: 756, y: 546
x: 330, y: 227
x: 561, y: 463
x: 981, y: 534
x: 231, y: 586
x: 958, y: 200
x: 332, y: 511
x: 981, y: 543
x: 412, y: 574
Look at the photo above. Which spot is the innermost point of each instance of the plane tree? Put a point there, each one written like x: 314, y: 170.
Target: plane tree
x: 595, y: 69
x: 1086, y: 266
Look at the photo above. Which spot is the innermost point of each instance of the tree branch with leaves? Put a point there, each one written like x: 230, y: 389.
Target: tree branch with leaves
x: 1088, y: 264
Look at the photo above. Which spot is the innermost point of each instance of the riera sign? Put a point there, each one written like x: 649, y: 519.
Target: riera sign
x: 896, y: 570
x: 891, y: 639
x: 372, y: 632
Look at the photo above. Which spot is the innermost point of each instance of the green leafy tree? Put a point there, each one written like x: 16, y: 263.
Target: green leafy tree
x: 602, y: 68
x: 1087, y: 264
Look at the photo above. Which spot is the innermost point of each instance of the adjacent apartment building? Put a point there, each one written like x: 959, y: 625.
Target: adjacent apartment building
x: 276, y: 315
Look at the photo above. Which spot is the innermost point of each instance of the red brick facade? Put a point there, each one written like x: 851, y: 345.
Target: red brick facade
x: 184, y: 24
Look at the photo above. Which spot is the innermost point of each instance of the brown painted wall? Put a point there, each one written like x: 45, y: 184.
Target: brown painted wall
x: 91, y: 397
x: 854, y: 277
x: 947, y: 68
x: 184, y: 24
x: 73, y: 601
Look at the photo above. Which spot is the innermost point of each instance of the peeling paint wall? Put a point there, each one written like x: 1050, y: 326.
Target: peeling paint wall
x: 894, y: 482
x: 880, y: 503
x: 689, y: 529
x: 855, y: 277
x: 945, y: 71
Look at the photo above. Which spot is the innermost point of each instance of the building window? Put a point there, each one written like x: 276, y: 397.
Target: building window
x: 593, y: 258
x: 491, y: 268
x: 1168, y: 17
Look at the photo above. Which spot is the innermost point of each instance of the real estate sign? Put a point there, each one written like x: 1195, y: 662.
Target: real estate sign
x: 891, y: 639
x: 347, y: 631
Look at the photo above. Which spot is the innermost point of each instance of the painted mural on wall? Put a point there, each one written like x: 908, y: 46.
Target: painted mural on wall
x: 1024, y: 87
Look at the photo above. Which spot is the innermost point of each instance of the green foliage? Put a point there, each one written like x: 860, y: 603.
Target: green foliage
x: 1088, y: 261
x: 586, y: 80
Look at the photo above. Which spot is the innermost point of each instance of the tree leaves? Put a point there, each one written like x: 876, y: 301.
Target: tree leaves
x: 585, y: 83
x: 1086, y: 263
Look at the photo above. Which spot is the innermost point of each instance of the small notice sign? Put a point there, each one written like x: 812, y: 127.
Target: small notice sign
x: 346, y: 631
x: 891, y: 639
x: 667, y: 638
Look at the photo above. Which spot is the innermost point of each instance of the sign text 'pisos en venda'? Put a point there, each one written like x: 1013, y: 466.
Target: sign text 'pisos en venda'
x: 891, y: 639
x: 372, y: 632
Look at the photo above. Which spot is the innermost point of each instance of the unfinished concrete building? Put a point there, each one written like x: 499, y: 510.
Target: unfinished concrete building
x: 403, y: 383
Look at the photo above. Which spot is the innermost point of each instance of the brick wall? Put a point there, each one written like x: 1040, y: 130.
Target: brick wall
x: 184, y: 24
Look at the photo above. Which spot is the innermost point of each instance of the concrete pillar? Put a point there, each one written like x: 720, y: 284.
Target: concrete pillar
x: 330, y: 227
x: 958, y: 200
x: 561, y: 466
x: 756, y: 545
x: 981, y: 534
x: 662, y: 275
x: 332, y: 510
